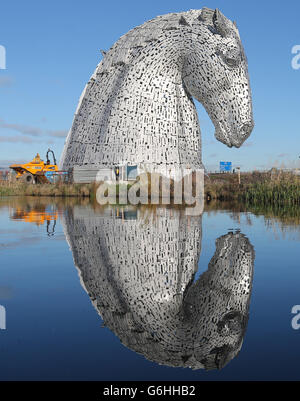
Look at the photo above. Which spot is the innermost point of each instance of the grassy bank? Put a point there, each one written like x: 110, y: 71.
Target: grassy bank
x: 19, y: 189
x: 272, y: 188
x: 50, y: 190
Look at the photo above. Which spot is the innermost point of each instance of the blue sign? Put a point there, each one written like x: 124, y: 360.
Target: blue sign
x: 225, y: 166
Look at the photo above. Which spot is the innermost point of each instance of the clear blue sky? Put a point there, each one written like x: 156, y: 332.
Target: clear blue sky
x: 53, y: 48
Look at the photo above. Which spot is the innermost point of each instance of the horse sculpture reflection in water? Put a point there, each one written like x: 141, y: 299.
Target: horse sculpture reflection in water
x: 139, y: 276
x: 138, y: 109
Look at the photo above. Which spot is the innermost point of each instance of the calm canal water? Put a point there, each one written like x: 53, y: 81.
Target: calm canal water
x: 117, y: 293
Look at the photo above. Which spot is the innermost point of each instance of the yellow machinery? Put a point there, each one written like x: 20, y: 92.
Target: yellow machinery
x: 36, y: 170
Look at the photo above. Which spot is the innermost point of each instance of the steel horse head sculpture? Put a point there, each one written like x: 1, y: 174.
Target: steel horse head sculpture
x: 138, y: 107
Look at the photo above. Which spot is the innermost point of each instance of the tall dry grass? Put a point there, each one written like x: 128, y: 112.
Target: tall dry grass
x: 20, y: 189
x: 274, y: 187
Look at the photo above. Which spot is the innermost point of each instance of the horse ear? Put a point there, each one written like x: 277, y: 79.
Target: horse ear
x: 183, y: 21
x: 206, y: 15
x: 221, y: 24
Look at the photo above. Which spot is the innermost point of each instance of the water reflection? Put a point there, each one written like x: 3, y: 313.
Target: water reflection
x: 36, y: 213
x: 280, y: 220
x: 138, y: 267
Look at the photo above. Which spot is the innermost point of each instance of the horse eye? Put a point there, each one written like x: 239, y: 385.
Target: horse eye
x: 232, y: 62
x: 232, y: 58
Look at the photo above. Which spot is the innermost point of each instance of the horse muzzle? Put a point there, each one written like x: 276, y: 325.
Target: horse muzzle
x: 235, y: 137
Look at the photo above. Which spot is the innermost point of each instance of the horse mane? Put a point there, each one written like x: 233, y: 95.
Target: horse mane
x: 125, y: 48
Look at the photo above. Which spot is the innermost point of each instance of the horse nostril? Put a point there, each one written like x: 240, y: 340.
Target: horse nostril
x: 246, y: 129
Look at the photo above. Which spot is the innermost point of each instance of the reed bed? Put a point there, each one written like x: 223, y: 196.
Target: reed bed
x: 275, y: 187
x: 20, y: 189
x: 272, y: 188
